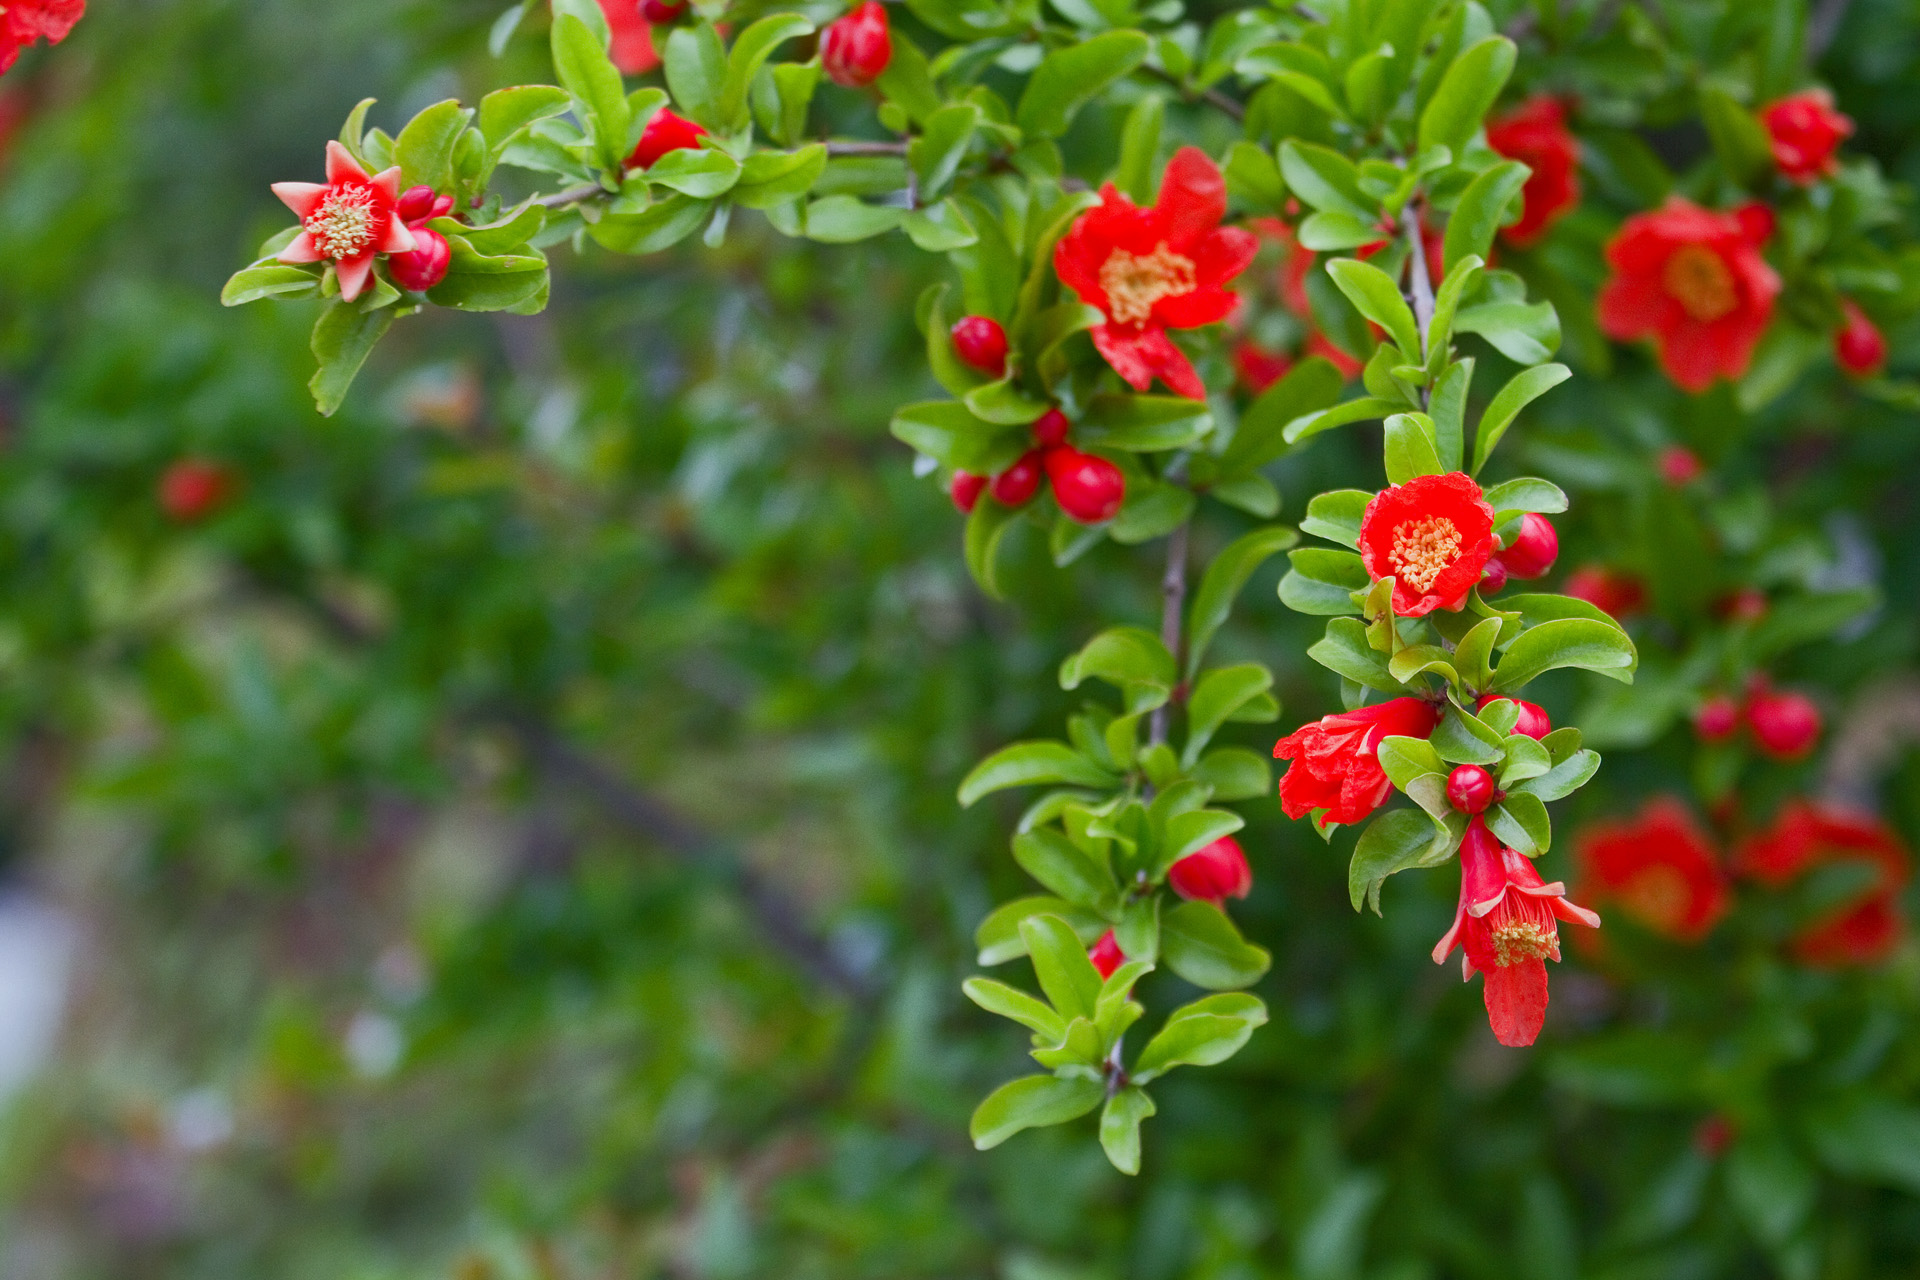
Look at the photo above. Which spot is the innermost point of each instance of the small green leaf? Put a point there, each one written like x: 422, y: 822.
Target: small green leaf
x: 1202, y: 1034
x: 1013, y: 1003
x: 1520, y: 821
x: 1026, y: 764
x: 1525, y: 387
x: 1120, y: 1127
x: 1344, y: 650
x: 1064, y: 867
x: 271, y: 280
x: 1374, y: 294
x: 1032, y: 1102
x: 1470, y: 86
x: 1528, y: 493
x: 1060, y: 962
x: 1199, y: 942
x: 1308, y: 387
x: 1132, y: 659
x: 1336, y: 516
x: 1739, y: 139
x: 1398, y: 840
x: 750, y: 50
x: 1365, y: 409
x: 696, y: 68
x: 580, y: 59
x: 1067, y: 79
x: 1222, y: 582
x: 1411, y: 449
x: 999, y: 939
x: 1482, y: 208
x: 1585, y: 643
x: 1326, y: 180
x: 343, y: 337
x: 424, y: 149
x: 1218, y: 696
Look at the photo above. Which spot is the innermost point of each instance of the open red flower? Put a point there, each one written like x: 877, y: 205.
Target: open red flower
x: 1536, y: 134
x: 1336, y: 761
x: 1659, y: 866
x: 1159, y: 268
x: 348, y: 221
x: 1804, y: 131
x: 24, y: 21
x: 1691, y: 279
x: 1433, y: 535
x: 632, y: 49
x: 1805, y: 836
x: 1506, y: 921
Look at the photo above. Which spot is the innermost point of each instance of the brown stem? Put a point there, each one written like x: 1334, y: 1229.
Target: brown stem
x: 1173, y: 599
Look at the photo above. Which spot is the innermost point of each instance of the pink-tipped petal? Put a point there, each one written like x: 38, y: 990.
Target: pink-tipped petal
x: 341, y: 166
x: 301, y: 197
x: 387, y: 182
x: 1573, y: 914
x: 354, y: 273
x: 399, y: 239
x: 299, y: 249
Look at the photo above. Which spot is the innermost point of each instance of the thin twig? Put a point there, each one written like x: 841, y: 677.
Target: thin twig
x: 572, y: 195
x: 1173, y: 599
x: 1422, y: 285
x: 1823, y: 26
x: 867, y: 148
x: 1212, y: 97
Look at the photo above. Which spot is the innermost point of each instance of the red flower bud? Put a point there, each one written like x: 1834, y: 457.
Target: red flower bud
x: 1859, y: 347
x: 982, y: 343
x: 1016, y: 486
x: 1212, y: 874
x: 1713, y: 1135
x: 1619, y: 594
x: 1786, y: 725
x: 857, y: 48
x: 1051, y: 429
x: 966, y: 489
x: 415, y: 203
x: 426, y: 266
x: 1748, y: 604
x: 1804, y: 132
x: 1757, y: 222
x: 1678, y: 466
x: 1717, y: 718
x: 193, y: 489
x: 1470, y: 789
x: 1088, y: 488
x: 667, y: 131
x: 1107, y: 955
x: 659, y: 12
x: 1533, y: 722
x: 1493, y: 578
x: 1534, y: 548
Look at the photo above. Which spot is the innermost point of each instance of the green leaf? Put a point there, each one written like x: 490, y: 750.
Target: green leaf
x: 1013, y: 1003
x: 750, y: 50
x: 1222, y: 582
x: 1336, y: 516
x: 1470, y: 86
x: 1190, y: 832
x: 1234, y: 773
x: 1461, y: 273
x: 1375, y: 295
x: 1333, y: 230
x: 1026, y: 764
x: 424, y: 149
x: 1130, y: 658
x: 700, y: 172
x: 936, y: 154
x: 1199, y: 943
x: 1308, y: 387
x: 907, y: 81
x: 843, y: 219
x: 696, y: 70
x: 1221, y: 695
x: 1528, y: 493
x: 506, y: 113
x: 1323, y: 582
x: 1448, y: 406
x: 1326, y: 180
x: 1140, y: 148
x: 352, y: 132
x: 1870, y: 1138
x: 1365, y: 409
x: 1563, y: 779
x: 1461, y: 738
x: 949, y: 433
x: 775, y: 177
x: 1143, y: 424
x: 343, y: 337
x: 1202, y: 1034
x: 1064, y: 867
x: 987, y: 527
x: 1585, y: 643
x: 999, y: 940
x: 1398, y: 840
x: 482, y: 282
x: 1060, y: 962
x: 1525, y: 387
x: 1410, y: 448
x: 1481, y: 211
x: 1120, y: 1127
x: 580, y: 59
x: 1521, y: 823
x: 1523, y: 332
x: 1253, y: 178
x: 1404, y: 759
x: 1345, y: 651
x: 272, y: 280
x: 1032, y: 1102
x: 1739, y: 139
x: 1067, y: 79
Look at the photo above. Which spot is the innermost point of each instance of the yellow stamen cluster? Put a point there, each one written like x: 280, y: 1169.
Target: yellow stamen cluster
x: 1134, y: 282
x: 1422, y: 550
x: 342, y: 224
x: 1697, y: 278
x: 1517, y: 941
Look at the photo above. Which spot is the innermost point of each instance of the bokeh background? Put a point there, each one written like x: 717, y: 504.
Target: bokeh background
x: 514, y: 837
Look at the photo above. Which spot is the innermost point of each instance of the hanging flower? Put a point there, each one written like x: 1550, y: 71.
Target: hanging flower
x: 1804, y: 131
x: 1159, y: 268
x: 1506, y: 923
x: 1692, y: 280
x: 1807, y: 836
x: 1336, y: 762
x: 632, y: 50
x: 24, y: 21
x: 348, y: 221
x: 1659, y: 866
x: 1433, y: 535
x: 1536, y: 134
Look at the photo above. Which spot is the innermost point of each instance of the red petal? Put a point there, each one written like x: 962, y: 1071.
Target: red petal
x: 353, y: 274
x: 1224, y: 255
x: 1516, y: 998
x: 1193, y: 199
x: 387, y: 183
x: 1139, y: 354
x: 342, y: 167
x: 398, y: 239
x: 1634, y: 306
x: 301, y: 197
x: 1693, y: 357
x: 299, y: 249
x: 1191, y: 310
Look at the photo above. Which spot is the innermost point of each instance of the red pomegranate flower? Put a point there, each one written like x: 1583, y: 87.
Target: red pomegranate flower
x: 1805, y: 131
x: 1336, y: 762
x: 1433, y: 535
x: 346, y: 222
x: 1692, y: 280
x: 632, y: 50
x: 1506, y: 923
x: 1159, y: 268
x: 1658, y: 865
x: 24, y: 21
x: 1536, y: 134
x: 1805, y: 836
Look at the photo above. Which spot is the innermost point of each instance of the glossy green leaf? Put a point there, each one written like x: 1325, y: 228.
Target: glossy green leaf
x: 1067, y: 79
x: 1523, y: 389
x: 1590, y: 645
x: 1032, y: 1102
x: 1470, y: 86
x: 1199, y: 942
x: 1120, y: 1127
x: 1026, y: 764
x: 1202, y: 1034
x: 1222, y: 583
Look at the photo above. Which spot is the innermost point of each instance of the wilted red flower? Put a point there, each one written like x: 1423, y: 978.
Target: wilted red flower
x: 1659, y: 865
x: 1691, y: 279
x: 348, y: 221
x: 1805, y: 131
x: 666, y: 131
x: 632, y: 49
x: 1859, y: 348
x: 1433, y: 535
x: 1213, y: 874
x: 1158, y: 268
x: 1608, y: 590
x: 1805, y: 836
x: 857, y: 48
x: 1506, y: 923
x: 1107, y: 955
x: 1536, y: 134
x: 1336, y: 762
x: 24, y: 21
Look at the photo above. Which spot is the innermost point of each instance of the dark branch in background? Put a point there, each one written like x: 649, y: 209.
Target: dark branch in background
x: 1823, y: 26
x: 1212, y: 97
x: 1422, y: 287
x: 1173, y: 598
